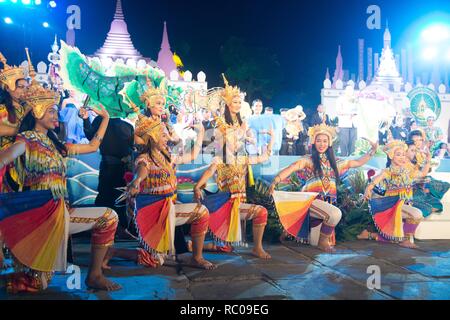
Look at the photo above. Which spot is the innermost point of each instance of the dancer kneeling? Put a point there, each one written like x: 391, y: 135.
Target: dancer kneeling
x: 35, y: 223
x: 152, y: 196
x: 316, y: 205
x: 394, y: 215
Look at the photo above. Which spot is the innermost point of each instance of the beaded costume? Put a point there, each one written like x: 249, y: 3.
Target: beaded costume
x: 36, y: 222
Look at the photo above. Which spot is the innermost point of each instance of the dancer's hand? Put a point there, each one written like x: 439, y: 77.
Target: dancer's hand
x: 198, y: 195
x: 374, y: 145
x: 368, y: 194
x: 134, y: 187
x: 102, y: 112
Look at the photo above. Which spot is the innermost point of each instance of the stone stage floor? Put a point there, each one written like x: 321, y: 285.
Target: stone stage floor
x: 296, y: 272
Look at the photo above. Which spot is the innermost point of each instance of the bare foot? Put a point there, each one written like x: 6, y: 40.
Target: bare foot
x: 108, y: 256
x: 364, y: 235
x: 189, y: 245
x: 408, y: 244
x: 203, y: 264
x: 101, y: 283
x: 260, y: 253
x: 326, y: 248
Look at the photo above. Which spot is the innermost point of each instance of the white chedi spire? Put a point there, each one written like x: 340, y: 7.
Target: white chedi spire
x: 118, y: 44
x: 387, y: 37
x: 387, y: 72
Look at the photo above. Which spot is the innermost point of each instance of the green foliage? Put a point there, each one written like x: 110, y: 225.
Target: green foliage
x: 355, y: 211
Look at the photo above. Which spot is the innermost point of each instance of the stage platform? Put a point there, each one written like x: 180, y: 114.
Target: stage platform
x: 296, y: 272
x: 83, y: 182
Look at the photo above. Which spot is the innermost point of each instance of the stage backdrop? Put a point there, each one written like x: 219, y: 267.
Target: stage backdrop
x: 83, y: 175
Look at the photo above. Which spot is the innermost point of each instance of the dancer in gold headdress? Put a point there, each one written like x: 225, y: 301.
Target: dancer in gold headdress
x: 321, y: 173
x: 233, y: 168
x: 394, y: 215
x: 37, y: 221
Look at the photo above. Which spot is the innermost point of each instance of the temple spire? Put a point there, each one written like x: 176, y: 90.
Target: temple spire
x: 165, y: 45
x: 165, y: 57
x: 118, y: 43
x: 119, y: 12
x: 387, y: 36
x: 339, y: 73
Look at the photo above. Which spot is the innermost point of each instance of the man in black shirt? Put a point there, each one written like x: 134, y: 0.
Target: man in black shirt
x: 116, y: 150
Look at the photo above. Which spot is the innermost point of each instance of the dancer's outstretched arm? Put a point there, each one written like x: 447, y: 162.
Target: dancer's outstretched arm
x: 135, y: 186
x: 297, y: 166
x: 98, y: 138
x: 12, y: 153
x: 366, y: 158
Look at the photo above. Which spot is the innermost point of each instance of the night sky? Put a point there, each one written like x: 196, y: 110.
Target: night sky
x: 303, y: 34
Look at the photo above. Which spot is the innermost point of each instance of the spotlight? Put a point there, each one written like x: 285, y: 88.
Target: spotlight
x: 45, y: 25
x: 430, y: 53
x: 37, y: 2
x: 52, y: 4
x: 8, y: 20
x: 26, y: 2
x: 436, y: 33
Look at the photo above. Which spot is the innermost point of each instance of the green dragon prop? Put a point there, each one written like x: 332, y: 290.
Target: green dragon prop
x: 109, y: 89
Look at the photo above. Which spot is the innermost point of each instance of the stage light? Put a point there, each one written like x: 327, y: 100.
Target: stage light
x: 45, y: 25
x: 8, y: 20
x: 26, y: 2
x: 52, y: 4
x: 38, y: 2
x: 14, y: 1
x: 430, y: 53
x: 436, y: 33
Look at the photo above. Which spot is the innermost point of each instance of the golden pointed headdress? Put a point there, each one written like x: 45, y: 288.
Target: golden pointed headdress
x: 40, y: 99
x: 229, y: 92
x: 31, y: 71
x: 390, y: 148
x: 151, y: 93
x: 330, y: 132
x: 9, y: 75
